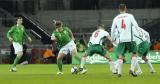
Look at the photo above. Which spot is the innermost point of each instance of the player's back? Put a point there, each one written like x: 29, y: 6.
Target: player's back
x: 124, y: 24
x: 146, y: 35
x: 98, y: 35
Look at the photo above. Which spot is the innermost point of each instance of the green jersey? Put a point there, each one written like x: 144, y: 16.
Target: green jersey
x: 17, y: 33
x: 62, y: 37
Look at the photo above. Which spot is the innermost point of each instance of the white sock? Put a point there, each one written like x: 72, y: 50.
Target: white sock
x: 116, y: 65
x: 133, y: 63
x: 83, y: 60
x: 112, y: 68
x: 150, y: 66
x: 120, y: 62
x: 139, y: 68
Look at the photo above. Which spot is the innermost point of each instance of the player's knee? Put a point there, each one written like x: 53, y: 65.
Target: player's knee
x: 19, y: 54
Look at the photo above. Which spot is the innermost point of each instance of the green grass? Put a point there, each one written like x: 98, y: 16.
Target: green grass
x: 97, y: 74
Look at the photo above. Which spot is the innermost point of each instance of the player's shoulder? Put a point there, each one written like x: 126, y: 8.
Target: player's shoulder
x: 13, y: 26
x: 129, y: 14
x: 22, y: 26
x: 66, y: 28
x: 104, y: 32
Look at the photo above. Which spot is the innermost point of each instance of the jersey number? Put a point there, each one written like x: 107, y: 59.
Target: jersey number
x: 123, y: 25
x: 96, y: 34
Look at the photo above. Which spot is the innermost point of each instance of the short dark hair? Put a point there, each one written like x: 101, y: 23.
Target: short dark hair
x: 122, y: 7
x: 18, y: 18
x: 58, y: 23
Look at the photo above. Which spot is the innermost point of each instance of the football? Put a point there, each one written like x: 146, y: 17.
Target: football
x: 74, y: 70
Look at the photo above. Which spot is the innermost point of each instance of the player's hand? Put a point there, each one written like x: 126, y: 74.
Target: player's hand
x: 10, y: 39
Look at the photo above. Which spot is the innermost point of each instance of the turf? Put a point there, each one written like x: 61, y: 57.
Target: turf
x: 97, y: 74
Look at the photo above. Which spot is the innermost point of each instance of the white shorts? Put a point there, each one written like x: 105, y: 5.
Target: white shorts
x: 17, y: 47
x: 68, y: 48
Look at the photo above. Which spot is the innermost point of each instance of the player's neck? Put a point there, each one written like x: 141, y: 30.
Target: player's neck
x: 122, y: 12
x: 18, y: 24
x: 60, y: 29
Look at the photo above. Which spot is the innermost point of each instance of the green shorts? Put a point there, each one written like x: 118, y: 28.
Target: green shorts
x: 122, y: 48
x: 143, y: 48
x: 92, y: 49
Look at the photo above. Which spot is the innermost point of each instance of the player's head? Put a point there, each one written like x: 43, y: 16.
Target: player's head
x: 122, y: 8
x: 100, y: 26
x: 19, y: 20
x: 58, y: 24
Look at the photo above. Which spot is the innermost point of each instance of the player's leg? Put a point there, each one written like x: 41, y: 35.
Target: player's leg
x: 19, y: 52
x: 139, y: 71
x: 143, y: 50
x: 83, y: 60
x: 83, y: 69
x: 73, y: 50
x: 111, y: 63
x: 120, y: 51
x: 63, y: 51
x: 152, y: 70
x: 74, y: 53
x: 132, y: 48
x: 59, y: 62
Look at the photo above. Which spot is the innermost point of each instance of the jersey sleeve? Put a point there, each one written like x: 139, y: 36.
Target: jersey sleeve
x: 106, y: 33
x: 135, y: 24
x: 10, y: 32
x: 53, y: 36
x: 70, y: 32
x: 67, y: 28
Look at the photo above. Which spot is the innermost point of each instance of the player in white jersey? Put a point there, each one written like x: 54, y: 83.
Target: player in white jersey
x: 95, y: 46
x: 123, y: 23
x: 143, y: 44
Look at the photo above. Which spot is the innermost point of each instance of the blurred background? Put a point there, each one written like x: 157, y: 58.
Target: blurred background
x: 82, y: 16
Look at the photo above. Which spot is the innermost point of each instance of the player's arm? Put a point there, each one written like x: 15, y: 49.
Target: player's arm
x: 9, y: 33
x: 53, y: 39
x: 112, y: 40
x: 71, y: 34
x: 135, y: 24
x: 113, y: 27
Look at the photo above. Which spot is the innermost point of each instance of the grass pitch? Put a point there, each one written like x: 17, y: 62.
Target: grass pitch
x: 97, y: 74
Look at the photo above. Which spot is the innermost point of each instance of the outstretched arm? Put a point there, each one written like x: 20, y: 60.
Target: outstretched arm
x: 9, y: 33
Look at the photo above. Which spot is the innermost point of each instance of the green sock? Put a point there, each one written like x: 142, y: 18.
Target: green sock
x: 59, y: 63
x: 16, y: 60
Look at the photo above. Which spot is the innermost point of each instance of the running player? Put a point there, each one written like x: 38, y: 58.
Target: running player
x: 16, y: 35
x: 64, y: 42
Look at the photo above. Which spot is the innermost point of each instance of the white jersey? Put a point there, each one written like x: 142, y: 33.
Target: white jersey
x: 116, y: 36
x: 97, y: 36
x: 138, y: 39
x: 123, y: 23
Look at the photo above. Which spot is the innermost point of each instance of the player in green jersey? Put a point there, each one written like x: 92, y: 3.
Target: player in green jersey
x: 64, y: 42
x: 16, y: 35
